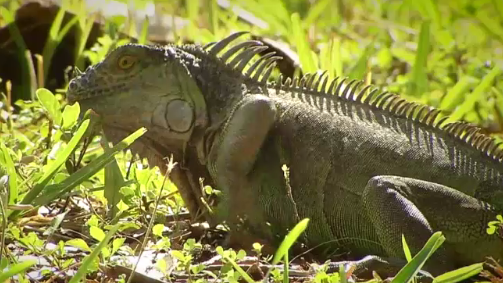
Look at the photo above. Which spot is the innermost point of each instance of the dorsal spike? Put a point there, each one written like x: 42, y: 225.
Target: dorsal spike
x: 279, y: 81
x: 310, y: 81
x: 261, y: 68
x: 324, y: 84
x: 377, y: 98
x: 234, y: 49
x: 295, y: 82
x: 319, y: 79
x: 392, y: 103
x: 332, y: 86
x: 258, y: 62
x: 370, y: 96
x: 383, y: 99
x: 208, y: 45
x: 359, y: 96
x: 353, y: 90
x: 303, y: 79
x: 338, y: 89
x: 430, y: 116
x: 347, y: 88
x: 267, y: 73
x: 419, y: 114
x: 244, y: 57
x: 439, y: 123
x: 220, y: 45
x: 411, y: 110
x: 288, y: 82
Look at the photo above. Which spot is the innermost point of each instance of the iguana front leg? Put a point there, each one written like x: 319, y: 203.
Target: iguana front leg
x: 417, y: 209
x: 235, y: 150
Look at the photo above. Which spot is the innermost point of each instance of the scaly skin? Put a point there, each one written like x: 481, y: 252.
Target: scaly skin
x: 364, y: 167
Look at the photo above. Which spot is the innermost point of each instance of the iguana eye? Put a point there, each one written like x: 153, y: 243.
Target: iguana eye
x: 126, y: 61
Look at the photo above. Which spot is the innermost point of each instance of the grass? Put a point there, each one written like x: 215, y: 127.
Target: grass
x: 83, y: 205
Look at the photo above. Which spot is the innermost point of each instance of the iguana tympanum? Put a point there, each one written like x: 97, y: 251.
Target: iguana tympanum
x: 364, y: 166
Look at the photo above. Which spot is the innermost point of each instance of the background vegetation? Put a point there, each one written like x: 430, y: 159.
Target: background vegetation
x: 72, y: 204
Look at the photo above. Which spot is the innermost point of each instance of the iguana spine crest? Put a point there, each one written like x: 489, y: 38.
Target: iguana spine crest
x: 316, y: 85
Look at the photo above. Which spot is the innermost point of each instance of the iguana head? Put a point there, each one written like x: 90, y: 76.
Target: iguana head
x: 138, y: 86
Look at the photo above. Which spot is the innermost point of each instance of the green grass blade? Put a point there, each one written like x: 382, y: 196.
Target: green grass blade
x: 408, y: 272
x: 477, y: 94
x: 459, y: 274
x: 83, y: 174
x: 113, y: 181
x: 142, y: 38
x: 456, y: 94
x: 419, y: 80
x: 16, y: 269
x: 406, y: 250
x: 8, y: 165
x: 239, y: 269
x: 86, y: 25
x: 56, y: 164
x: 290, y: 240
x: 25, y: 86
x: 94, y: 255
x: 360, y: 68
x: 299, y: 37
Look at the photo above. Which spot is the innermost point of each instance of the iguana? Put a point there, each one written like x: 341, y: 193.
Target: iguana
x: 364, y: 166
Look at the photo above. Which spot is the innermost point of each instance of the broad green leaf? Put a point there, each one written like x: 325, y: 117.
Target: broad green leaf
x: 410, y: 270
x: 50, y: 104
x: 70, y: 115
x: 117, y: 243
x: 88, y: 261
x: 290, y: 240
x: 158, y: 229
x: 78, y: 243
x: 96, y: 233
x: 460, y: 274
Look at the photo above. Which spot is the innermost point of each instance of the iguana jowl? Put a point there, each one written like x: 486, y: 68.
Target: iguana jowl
x: 365, y: 167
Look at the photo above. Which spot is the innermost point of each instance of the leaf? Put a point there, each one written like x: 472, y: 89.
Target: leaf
x: 83, y: 174
x: 419, y: 80
x: 117, y: 243
x: 302, y: 45
x: 50, y: 104
x: 89, y: 261
x: 406, y: 250
x: 61, y: 158
x: 70, y: 115
x: 7, y: 163
x: 114, y: 181
x: 158, y: 229
x: 78, y: 243
x: 16, y: 269
x: 477, y: 94
x: 290, y: 240
x: 460, y: 274
x: 412, y: 268
x: 456, y: 94
x: 96, y: 233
